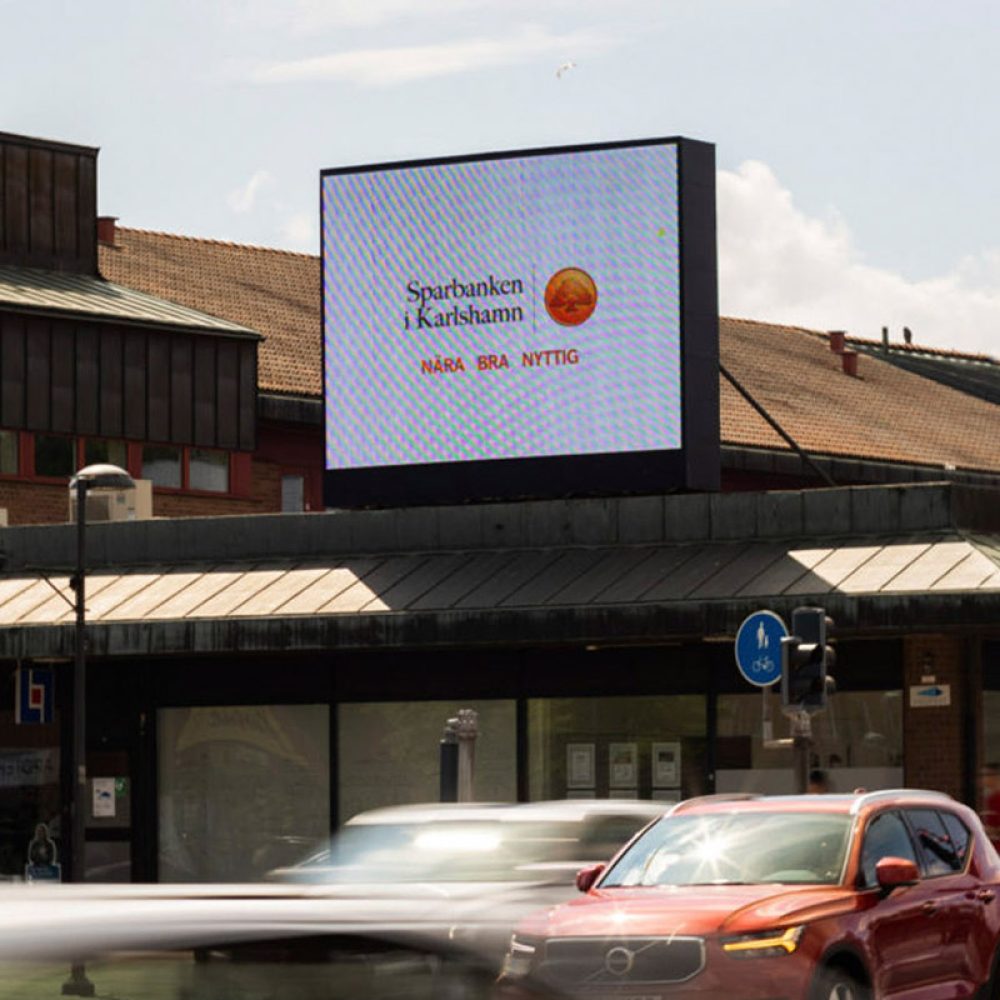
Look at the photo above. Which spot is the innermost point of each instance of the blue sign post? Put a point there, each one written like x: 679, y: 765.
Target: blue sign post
x: 758, y: 648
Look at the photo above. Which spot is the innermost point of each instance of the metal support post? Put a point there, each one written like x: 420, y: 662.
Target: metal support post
x: 448, y: 748
x: 802, y: 741
x: 468, y: 730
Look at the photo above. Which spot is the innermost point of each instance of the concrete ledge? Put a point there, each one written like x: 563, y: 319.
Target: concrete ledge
x: 810, y: 514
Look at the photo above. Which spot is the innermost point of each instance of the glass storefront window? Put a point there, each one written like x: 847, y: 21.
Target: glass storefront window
x: 54, y: 456
x: 97, y: 450
x: 857, y: 740
x: 388, y: 752
x: 209, y: 470
x: 618, y: 747
x: 8, y: 453
x: 162, y: 465
x: 242, y: 789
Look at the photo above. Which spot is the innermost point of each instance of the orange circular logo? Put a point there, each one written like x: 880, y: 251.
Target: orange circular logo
x: 571, y: 296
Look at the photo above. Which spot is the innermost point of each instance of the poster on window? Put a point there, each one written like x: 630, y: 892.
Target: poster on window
x: 666, y: 765
x: 623, y: 765
x: 580, y: 759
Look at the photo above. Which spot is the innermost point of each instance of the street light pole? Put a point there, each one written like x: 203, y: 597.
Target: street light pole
x: 96, y: 477
x: 78, y: 984
x: 79, y: 805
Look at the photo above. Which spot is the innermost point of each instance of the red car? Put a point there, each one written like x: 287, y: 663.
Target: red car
x: 818, y: 897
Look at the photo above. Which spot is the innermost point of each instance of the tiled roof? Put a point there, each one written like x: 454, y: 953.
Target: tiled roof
x: 273, y: 292
x: 885, y: 414
x: 63, y: 293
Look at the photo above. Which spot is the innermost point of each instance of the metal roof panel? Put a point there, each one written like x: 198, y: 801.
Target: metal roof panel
x: 37, y: 290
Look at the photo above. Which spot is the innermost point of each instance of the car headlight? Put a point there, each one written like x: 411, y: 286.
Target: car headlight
x: 520, y: 955
x: 763, y: 944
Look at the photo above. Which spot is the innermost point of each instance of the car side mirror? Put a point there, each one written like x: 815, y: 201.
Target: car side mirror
x: 894, y: 872
x: 586, y: 877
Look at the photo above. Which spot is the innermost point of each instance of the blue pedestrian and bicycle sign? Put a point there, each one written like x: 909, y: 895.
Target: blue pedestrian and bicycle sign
x: 758, y: 648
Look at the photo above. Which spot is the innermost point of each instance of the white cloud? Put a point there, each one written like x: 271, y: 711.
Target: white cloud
x: 777, y: 264
x: 242, y: 199
x: 386, y: 67
x: 302, y: 16
x: 300, y: 233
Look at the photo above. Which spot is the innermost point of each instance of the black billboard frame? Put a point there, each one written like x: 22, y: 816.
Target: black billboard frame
x: 695, y: 466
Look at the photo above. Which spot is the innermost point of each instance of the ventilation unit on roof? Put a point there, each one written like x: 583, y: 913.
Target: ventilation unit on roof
x: 118, y: 505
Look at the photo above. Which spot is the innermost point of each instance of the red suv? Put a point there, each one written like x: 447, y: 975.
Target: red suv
x: 822, y: 897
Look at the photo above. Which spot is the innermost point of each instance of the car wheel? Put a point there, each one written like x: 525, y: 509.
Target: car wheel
x: 836, y: 983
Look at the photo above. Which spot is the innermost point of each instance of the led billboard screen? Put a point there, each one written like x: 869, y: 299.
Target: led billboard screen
x: 492, y: 322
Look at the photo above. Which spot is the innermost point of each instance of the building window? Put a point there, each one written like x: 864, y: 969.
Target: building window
x: 634, y: 747
x: 388, y: 752
x: 293, y: 493
x: 54, y: 456
x: 858, y: 741
x: 8, y: 453
x: 242, y: 789
x: 97, y: 451
x: 208, y: 470
x: 162, y: 465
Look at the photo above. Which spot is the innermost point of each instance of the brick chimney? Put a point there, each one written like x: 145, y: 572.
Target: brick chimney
x: 837, y: 339
x: 849, y: 360
x: 106, y: 229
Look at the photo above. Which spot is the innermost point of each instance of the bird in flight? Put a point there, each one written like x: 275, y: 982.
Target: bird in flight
x: 565, y: 68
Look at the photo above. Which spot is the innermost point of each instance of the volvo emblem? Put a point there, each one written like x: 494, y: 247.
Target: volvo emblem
x: 618, y: 961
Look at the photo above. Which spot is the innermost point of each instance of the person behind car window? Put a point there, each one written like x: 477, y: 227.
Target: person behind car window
x: 818, y: 783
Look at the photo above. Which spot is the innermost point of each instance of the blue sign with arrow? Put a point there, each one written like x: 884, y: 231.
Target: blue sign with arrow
x: 758, y: 648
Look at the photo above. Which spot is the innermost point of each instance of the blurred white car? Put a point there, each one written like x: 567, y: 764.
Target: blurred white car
x: 476, y: 869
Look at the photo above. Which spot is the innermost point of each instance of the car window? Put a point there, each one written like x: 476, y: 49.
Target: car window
x: 959, y: 834
x: 885, y: 837
x: 738, y: 847
x: 937, y: 851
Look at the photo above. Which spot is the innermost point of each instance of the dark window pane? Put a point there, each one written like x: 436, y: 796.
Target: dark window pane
x: 209, y: 470
x: 936, y: 849
x: 105, y: 452
x: 8, y: 452
x: 886, y: 837
x: 293, y: 493
x: 959, y: 834
x: 54, y: 455
x: 162, y: 466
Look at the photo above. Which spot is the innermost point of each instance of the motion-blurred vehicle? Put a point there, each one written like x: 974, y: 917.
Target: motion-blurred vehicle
x: 825, y: 897
x: 479, y: 868
x: 224, y: 942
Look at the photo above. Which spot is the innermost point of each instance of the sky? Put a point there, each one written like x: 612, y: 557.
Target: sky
x: 856, y: 142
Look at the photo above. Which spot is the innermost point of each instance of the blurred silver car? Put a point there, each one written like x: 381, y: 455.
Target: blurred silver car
x: 474, y: 870
x: 223, y: 942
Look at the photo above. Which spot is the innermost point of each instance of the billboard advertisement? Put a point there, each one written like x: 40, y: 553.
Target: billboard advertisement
x: 510, y: 324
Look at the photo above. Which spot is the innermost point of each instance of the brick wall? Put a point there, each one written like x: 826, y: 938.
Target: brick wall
x: 934, y: 738
x: 48, y: 503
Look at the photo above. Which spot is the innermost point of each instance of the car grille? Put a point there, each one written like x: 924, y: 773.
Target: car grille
x: 609, y: 961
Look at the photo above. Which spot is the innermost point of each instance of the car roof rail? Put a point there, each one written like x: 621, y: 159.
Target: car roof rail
x: 868, y: 798
x: 704, y: 800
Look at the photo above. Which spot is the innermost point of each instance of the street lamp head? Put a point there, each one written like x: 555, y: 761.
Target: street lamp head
x: 102, y: 477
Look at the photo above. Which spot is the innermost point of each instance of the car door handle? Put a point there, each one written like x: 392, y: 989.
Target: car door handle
x: 986, y: 895
x: 930, y: 907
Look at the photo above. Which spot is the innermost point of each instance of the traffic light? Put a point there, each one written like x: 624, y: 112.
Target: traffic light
x: 805, y: 660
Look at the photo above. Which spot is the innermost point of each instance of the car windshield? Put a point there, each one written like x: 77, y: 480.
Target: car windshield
x: 459, y: 851
x: 736, y: 848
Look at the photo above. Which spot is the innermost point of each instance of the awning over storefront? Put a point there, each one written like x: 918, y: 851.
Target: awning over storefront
x: 545, y: 594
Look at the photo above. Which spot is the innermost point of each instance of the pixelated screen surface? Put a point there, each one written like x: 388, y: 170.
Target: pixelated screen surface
x: 502, y: 308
